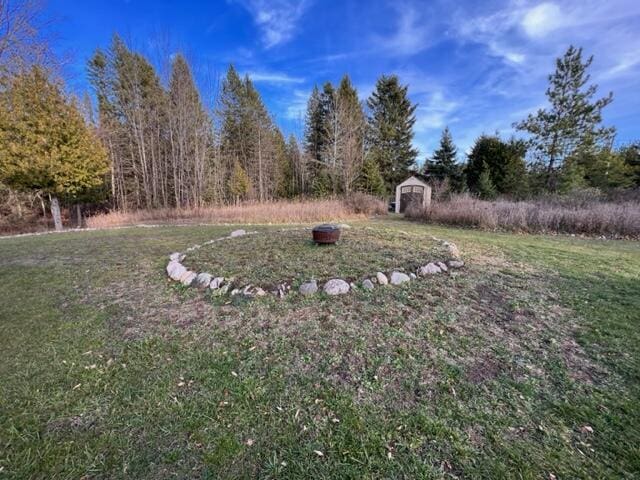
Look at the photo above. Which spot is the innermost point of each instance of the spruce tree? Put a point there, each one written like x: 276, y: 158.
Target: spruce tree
x: 443, y: 165
x: 45, y: 145
x: 370, y: 180
x: 573, y: 120
x: 486, y: 187
x: 314, y: 130
x: 390, y: 130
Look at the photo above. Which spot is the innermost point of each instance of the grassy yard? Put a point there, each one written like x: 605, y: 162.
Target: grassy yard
x: 525, y: 364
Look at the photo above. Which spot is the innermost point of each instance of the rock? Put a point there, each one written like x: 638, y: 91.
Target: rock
x: 336, y: 286
x: 453, y: 250
x: 282, y: 290
x: 203, y: 280
x: 235, y: 291
x: 442, y: 266
x: 216, y: 283
x: 367, y: 284
x: 455, y: 263
x: 238, y: 233
x: 398, y: 277
x: 353, y: 286
x: 429, y: 269
x: 308, y: 288
x: 188, y: 277
x: 259, y: 292
x: 382, y: 278
x: 223, y: 290
x: 175, y: 270
x: 176, y: 257
x: 413, y: 276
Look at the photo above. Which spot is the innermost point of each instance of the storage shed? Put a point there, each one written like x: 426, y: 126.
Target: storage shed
x: 413, y: 191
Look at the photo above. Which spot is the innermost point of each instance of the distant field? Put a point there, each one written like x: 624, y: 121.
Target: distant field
x: 526, y: 364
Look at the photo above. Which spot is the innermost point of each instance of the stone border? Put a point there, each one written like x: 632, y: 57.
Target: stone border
x: 335, y: 286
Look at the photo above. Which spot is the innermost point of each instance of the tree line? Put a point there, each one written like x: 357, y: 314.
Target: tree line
x: 566, y: 147
x: 144, y: 143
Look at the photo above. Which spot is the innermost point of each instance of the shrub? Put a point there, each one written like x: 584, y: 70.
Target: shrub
x: 580, y: 213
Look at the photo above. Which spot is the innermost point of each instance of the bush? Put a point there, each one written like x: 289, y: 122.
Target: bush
x: 361, y: 203
x: 581, y: 213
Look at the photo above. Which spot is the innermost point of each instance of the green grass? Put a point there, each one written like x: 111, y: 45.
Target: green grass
x: 108, y: 370
x: 270, y: 257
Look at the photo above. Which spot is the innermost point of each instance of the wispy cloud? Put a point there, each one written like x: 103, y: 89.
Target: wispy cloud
x: 276, y: 19
x: 411, y: 31
x: 275, y: 78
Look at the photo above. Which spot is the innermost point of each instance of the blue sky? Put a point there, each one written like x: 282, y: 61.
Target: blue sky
x: 474, y: 66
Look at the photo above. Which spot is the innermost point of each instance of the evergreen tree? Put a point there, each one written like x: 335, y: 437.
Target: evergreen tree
x: 504, y: 162
x: 631, y: 156
x: 572, y: 177
x: 486, y: 188
x: 239, y: 184
x: 45, y: 145
x: 314, y: 130
x: 390, y: 130
x: 572, y: 122
x: 370, y: 180
x: 443, y: 165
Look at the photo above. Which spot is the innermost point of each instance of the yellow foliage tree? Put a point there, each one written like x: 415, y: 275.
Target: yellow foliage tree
x: 45, y: 144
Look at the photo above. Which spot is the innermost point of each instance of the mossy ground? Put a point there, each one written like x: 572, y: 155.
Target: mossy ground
x: 524, y: 365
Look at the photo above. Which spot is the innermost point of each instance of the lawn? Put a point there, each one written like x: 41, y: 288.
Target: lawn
x: 290, y: 255
x: 525, y: 364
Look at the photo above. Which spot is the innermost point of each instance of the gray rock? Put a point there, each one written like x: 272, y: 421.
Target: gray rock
x: 308, y: 288
x: 429, y: 269
x: 442, y: 265
x: 203, y: 280
x: 398, y: 277
x: 188, y: 278
x: 259, y: 292
x: 413, y: 276
x: 175, y: 270
x: 176, y: 256
x: 367, y: 284
x: 336, y: 286
x: 238, y: 233
x: 216, y: 283
x: 456, y: 263
x: 353, y: 286
x: 382, y: 278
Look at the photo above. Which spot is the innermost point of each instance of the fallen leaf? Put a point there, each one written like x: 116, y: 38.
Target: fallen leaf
x: 586, y: 429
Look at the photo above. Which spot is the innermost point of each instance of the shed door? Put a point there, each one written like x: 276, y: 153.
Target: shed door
x: 411, y: 195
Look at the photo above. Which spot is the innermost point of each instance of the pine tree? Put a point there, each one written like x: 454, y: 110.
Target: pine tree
x: 486, y: 187
x: 239, y: 184
x: 45, y: 145
x: 314, y: 131
x: 443, y: 165
x: 390, y: 130
x: 504, y: 161
x: 573, y: 120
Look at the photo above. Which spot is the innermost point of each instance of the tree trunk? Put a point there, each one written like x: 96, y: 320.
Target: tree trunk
x: 55, y: 213
x: 79, y: 215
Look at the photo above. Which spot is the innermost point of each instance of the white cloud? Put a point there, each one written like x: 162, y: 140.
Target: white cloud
x: 277, y: 19
x: 411, y: 32
x: 274, y: 78
x: 297, y: 106
x: 542, y: 19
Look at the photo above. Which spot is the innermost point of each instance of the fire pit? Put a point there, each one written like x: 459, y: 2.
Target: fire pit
x: 326, y: 234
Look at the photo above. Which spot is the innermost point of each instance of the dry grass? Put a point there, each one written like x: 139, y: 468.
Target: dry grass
x: 540, y: 216
x: 283, y: 211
